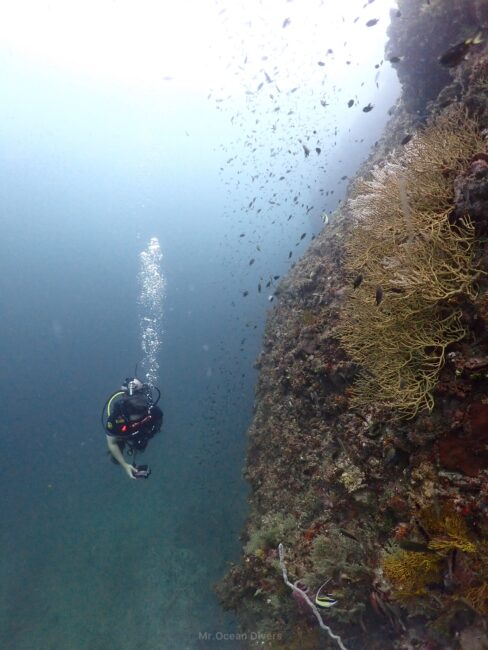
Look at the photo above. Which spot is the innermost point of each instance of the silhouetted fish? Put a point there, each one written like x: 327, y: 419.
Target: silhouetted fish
x: 357, y: 281
x: 379, y: 295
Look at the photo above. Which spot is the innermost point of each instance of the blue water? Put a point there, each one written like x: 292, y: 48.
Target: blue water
x: 88, y: 174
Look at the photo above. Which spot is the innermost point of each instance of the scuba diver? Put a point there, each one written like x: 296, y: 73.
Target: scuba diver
x: 130, y: 418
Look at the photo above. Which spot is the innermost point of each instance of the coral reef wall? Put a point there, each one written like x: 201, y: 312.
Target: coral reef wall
x: 368, y: 451
x: 420, y: 32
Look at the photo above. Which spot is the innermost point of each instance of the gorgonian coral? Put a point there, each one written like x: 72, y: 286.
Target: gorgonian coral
x: 412, y: 266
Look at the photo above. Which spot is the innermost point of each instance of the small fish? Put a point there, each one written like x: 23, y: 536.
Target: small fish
x: 345, y: 532
x: 357, y: 281
x: 350, y: 103
x: 259, y: 287
x: 406, y: 139
x: 324, y: 601
x: 286, y: 22
x: 318, y: 150
x: 343, y: 178
x: 324, y: 103
x: 276, y: 277
x: 251, y: 261
x: 245, y: 293
x: 290, y: 254
x: 368, y: 108
x: 396, y: 59
x: 422, y: 530
x: 243, y: 234
x: 270, y: 298
x: 436, y: 586
x: 306, y: 150
x: 398, y: 14
x: 455, y: 54
x: 325, y: 218
x: 372, y: 22
x: 303, y: 235
x: 321, y: 63
x: 414, y: 547
x: 379, y: 295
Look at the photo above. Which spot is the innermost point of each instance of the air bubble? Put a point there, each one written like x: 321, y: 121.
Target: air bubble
x: 151, y: 299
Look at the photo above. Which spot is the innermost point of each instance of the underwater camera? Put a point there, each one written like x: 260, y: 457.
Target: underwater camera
x: 142, y: 471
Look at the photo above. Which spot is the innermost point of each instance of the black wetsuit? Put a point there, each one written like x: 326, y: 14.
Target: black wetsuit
x: 133, y: 421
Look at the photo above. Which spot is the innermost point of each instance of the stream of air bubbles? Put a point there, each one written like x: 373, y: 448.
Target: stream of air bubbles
x: 151, y: 297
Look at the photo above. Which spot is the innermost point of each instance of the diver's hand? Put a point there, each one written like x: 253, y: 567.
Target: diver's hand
x: 129, y: 469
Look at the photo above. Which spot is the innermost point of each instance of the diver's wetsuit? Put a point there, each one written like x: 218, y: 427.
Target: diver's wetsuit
x: 134, y: 420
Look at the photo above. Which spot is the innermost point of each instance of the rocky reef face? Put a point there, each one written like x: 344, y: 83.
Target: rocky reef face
x: 420, y: 32
x: 387, y: 506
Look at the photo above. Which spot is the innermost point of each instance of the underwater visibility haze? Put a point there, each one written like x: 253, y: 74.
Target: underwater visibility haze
x: 161, y: 168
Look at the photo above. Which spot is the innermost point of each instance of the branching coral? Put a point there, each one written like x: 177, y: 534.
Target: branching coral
x: 413, y: 574
x: 410, y: 572
x: 477, y: 598
x: 412, y: 267
x: 447, y: 529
